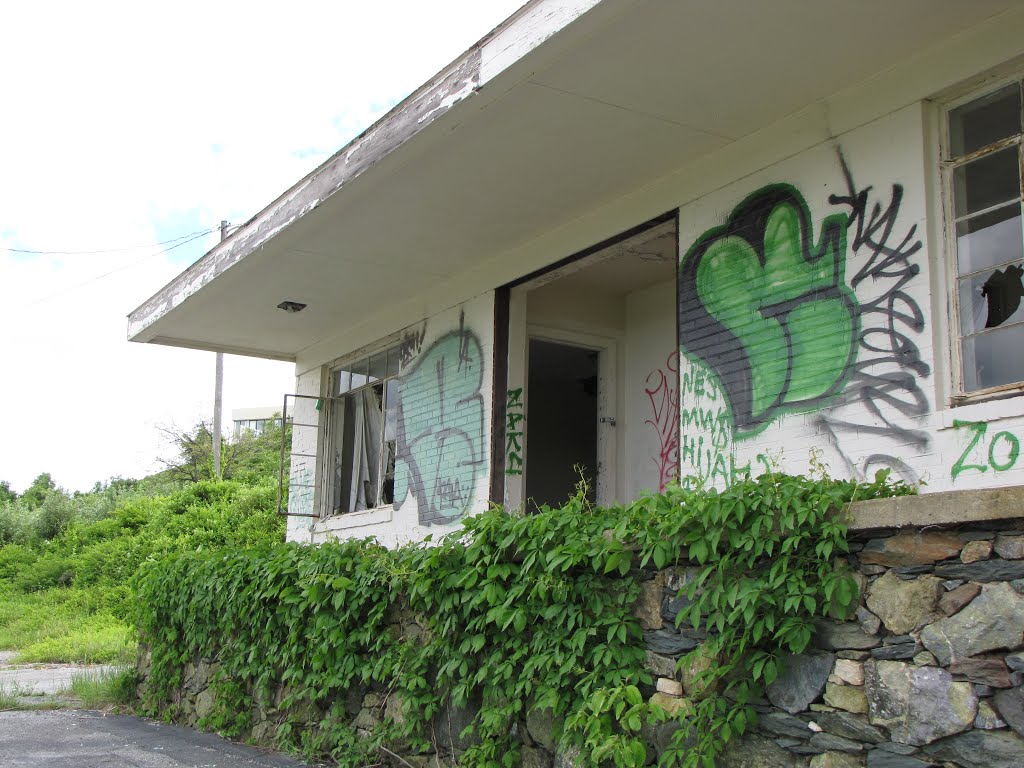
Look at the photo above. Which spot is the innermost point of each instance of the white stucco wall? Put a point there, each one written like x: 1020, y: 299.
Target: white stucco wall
x: 650, y: 390
x: 851, y: 369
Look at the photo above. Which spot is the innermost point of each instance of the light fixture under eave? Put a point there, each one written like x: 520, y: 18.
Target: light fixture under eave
x: 291, y: 307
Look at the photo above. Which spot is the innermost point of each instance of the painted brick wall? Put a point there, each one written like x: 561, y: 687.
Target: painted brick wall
x: 443, y: 464
x: 808, y: 325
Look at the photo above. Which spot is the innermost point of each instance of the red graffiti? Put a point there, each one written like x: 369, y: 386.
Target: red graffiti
x: 662, y: 388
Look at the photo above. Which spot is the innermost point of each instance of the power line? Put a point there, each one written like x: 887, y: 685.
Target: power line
x: 187, y: 238
x: 129, y: 265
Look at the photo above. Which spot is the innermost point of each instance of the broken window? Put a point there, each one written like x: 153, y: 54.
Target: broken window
x: 362, y: 429
x: 984, y: 158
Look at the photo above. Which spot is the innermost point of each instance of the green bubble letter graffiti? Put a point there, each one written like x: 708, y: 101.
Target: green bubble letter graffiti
x: 767, y: 309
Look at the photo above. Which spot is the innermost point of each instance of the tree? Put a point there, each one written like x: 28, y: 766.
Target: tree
x: 6, y: 494
x: 36, y: 494
x: 248, y: 457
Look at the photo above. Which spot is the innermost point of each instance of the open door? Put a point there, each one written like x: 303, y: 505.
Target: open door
x: 562, y: 441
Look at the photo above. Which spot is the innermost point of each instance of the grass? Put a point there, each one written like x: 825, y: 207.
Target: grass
x: 63, y: 626
x: 104, y: 688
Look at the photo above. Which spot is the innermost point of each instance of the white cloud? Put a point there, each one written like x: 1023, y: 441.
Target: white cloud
x: 122, y: 119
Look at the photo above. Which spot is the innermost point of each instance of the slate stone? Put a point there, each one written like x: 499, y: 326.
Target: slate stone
x: 660, y: 666
x: 909, y: 571
x: 836, y: 760
x: 540, y: 725
x: 878, y: 758
x: 896, y: 748
x: 994, y: 619
x: 784, y: 725
x: 988, y: 718
x: 850, y: 698
x: 854, y: 655
x: 648, y: 606
x: 535, y: 758
x: 668, y: 643
x: 786, y: 743
x: 756, y: 751
x: 981, y: 749
x: 868, y: 621
x: 829, y: 742
x: 984, y: 571
x: 953, y: 601
x: 801, y: 681
x: 834, y: 637
x: 1010, y: 706
x: 204, y: 703
x: 952, y: 584
x: 991, y: 672
x: 908, y: 549
x: 850, y: 726
x: 898, y: 640
x: 904, y: 606
x: 917, y: 704
x: 671, y: 608
x: 805, y: 749
x: 974, y: 551
x: 1015, y: 661
x: 1010, y: 547
x: 894, y: 652
x: 925, y: 658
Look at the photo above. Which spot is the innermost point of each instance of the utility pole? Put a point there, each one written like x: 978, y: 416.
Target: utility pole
x: 218, y: 394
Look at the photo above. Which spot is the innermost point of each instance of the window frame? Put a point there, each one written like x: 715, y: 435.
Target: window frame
x: 948, y: 165
x: 335, y: 401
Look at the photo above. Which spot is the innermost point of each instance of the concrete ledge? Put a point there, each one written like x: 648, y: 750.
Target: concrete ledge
x: 937, y: 508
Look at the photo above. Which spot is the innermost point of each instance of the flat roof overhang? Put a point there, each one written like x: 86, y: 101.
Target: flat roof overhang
x: 568, y: 105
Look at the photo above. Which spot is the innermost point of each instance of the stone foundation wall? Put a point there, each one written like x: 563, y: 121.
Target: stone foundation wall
x: 928, y: 673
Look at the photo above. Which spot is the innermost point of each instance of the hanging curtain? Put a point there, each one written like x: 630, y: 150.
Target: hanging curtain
x: 366, y: 447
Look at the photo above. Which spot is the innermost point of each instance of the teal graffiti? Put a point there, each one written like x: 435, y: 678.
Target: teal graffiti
x: 767, y: 309
x: 1002, y: 452
x: 440, y: 453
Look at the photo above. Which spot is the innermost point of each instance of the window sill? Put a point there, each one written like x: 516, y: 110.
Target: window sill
x: 989, y: 410
x: 376, y: 516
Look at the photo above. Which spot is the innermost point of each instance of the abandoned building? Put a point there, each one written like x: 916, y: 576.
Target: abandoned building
x: 647, y: 242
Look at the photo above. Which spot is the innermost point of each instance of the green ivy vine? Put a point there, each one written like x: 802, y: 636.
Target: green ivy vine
x: 512, y: 615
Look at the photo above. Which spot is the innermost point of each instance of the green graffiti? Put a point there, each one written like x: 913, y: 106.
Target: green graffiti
x: 767, y: 310
x: 1002, y: 454
x: 441, y: 434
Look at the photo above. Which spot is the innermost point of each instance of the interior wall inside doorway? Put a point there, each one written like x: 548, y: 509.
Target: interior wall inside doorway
x: 620, y: 299
x: 562, y: 439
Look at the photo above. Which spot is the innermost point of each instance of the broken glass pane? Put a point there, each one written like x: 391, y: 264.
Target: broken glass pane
x: 359, y: 373
x: 991, y: 299
x: 985, y: 121
x: 342, y: 382
x: 994, y: 358
x: 394, y: 360
x: 985, y: 241
x: 379, y: 366
x: 987, y: 181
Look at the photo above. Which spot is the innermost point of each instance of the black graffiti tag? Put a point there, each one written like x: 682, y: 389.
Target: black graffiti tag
x: 886, y: 375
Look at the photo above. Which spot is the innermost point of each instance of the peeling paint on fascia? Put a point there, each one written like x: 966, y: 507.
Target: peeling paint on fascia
x: 449, y: 101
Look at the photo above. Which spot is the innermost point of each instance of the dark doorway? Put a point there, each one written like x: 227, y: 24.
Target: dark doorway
x: 561, y: 431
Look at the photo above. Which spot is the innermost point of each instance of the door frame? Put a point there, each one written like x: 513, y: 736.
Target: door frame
x: 605, y: 478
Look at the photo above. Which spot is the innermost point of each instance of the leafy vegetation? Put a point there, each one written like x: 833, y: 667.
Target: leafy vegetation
x: 68, y: 562
x: 511, y: 615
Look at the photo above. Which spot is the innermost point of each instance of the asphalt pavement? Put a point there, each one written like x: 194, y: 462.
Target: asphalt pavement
x: 82, y: 739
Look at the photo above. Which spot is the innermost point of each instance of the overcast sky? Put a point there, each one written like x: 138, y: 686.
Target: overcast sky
x: 128, y: 124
